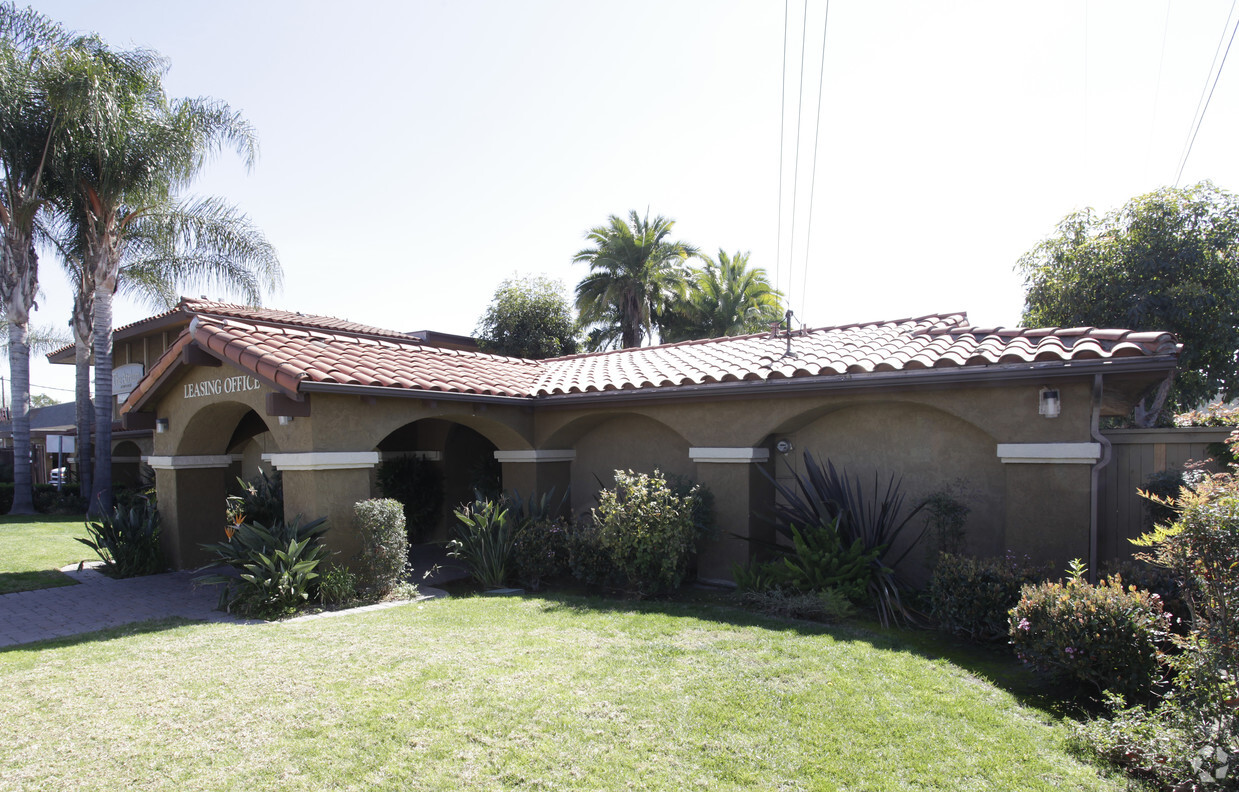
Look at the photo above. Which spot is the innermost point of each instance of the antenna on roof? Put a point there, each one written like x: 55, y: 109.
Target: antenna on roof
x: 787, y: 318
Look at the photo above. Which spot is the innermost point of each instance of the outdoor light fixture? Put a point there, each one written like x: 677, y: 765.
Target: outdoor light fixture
x: 784, y: 446
x: 285, y: 420
x: 161, y: 425
x: 1051, y: 405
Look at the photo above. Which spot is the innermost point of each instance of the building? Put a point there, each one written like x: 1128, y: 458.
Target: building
x: 1010, y: 415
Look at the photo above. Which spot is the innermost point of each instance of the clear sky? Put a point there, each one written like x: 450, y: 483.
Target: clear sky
x: 416, y: 153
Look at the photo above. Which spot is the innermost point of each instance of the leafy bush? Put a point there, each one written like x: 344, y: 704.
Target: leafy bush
x: 383, y: 562
x: 484, y: 542
x: 1159, y: 491
x: 277, y: 566
x: 418, y: 484
x: 1105, y: 635
x: 817, y: 561
x: 824, y: 496
x: 540, y: 552
x: 1147, y: 743
x: 589, y: 560
x: 127, y: 540
x: 973, y: 597
x: 646, y: 530
x: 945, y: 517
x: 828, y: 605
x: 261, y: 500
x: 337, y: 586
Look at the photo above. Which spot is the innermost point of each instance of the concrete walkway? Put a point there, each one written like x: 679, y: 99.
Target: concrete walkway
x: 98, y: 602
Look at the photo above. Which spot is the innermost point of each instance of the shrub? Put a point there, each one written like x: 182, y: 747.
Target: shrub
x: 1105, y: 635
x: 484, y: 541
x: 127, y: 540
x: 829, y: 605
x: 418, y: 484
x: 277, y: 566
x: 972, y: 597
x: 945, y: 517
x: 589, y: 560
x: 337, y: 586
x: 1147, y: 743
x: 646, y: 530
x: 540, y: 552
x: 824, y: 495
x: 383, y: 562
x: 817, y: 561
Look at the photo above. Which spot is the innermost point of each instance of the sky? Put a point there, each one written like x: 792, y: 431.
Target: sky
x: 415, y: 154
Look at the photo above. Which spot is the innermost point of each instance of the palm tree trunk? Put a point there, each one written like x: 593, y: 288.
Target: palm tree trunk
x: 19, y: 371
x: 85, y: 418
x: 101, y: 489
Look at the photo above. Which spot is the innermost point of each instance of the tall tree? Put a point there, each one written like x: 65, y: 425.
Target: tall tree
x: 725, y: 298
x: 635, y: 273
x: 528, y: 318
x: 130, y: 150
x: 30, y: 46
x: 1168, y: 260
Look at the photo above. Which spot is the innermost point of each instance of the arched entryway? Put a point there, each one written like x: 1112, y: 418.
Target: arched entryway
x: 220, y: 443
x: 127, y: 464
x: 436, y: 465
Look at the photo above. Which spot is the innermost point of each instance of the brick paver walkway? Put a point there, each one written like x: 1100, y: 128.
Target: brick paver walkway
x: 99, y: 602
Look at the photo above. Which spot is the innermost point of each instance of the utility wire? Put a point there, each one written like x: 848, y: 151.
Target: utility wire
x: 1157, y: 89
x: 1200, y: 121
x: 791, y: 255
x: 821, y: 78
x: 778, y: 247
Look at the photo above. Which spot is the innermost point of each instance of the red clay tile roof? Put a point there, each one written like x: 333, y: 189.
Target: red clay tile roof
x: 288, y: 350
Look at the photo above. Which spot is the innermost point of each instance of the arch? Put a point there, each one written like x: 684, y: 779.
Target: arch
x: 621, y: 441
x: 929, y: 449
x: 126, y: 464
x: 500, y: 434
x: 210, y: 429
x: 463, y: 456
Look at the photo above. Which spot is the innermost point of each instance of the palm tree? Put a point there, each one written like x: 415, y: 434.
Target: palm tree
x: 635, y: 273
x: 724, y: 298
x: 130, y: 150
x: 30, y: 46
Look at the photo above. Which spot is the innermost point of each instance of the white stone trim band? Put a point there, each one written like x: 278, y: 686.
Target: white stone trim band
x: 188, y: 462
x: 1050, y: 453
x: 733, y: 456
x: 539, y: 455
x: 324, y: 460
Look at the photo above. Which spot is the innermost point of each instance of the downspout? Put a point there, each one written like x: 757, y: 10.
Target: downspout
x: 1094, y: 524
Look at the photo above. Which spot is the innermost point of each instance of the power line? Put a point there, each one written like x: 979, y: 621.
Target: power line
x: 817, y: 129
x: 778, y: 247
x: 791, y: 254
x: 1199, y: 117
x: 1157, y: 89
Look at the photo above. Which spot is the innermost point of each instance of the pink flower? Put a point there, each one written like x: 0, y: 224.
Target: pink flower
x: 1024, y: 625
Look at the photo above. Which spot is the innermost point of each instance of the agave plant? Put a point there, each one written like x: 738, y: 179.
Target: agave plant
x: 876, y: 519
x: 127, y: 539
x: 484, y: 541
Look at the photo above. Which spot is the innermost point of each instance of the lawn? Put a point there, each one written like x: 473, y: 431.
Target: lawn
x: 518, y: 693
x: 34, y: 547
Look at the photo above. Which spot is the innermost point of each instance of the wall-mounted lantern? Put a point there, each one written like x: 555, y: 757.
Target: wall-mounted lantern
x: 285, y: 420
x: 161, y: 425
x: 1051, y: 404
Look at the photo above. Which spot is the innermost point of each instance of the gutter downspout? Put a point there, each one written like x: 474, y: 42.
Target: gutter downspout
x: 1095, y: 485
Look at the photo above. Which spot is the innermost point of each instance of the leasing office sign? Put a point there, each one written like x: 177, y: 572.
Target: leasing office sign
x: 222, y: 386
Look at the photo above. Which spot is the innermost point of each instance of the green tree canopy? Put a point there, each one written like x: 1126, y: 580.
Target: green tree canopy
x: 724, y: 298
x: 636, y: 272
x: 530, y: 318
x: 1168, y: 260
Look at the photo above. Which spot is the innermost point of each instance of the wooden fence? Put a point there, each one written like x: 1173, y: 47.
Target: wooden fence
x: 1137, y: 454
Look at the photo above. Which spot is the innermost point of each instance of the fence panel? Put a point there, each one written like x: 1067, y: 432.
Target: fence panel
x: 1136, y: 455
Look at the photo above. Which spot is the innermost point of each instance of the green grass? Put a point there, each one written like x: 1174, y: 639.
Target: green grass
x: 34, y: 547
x: 519, y: 693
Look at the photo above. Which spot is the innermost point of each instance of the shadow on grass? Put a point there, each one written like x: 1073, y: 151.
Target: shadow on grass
x: 26, y: 519
x: 993, y: 663
x: 108, y: 634
x: 33, y: 580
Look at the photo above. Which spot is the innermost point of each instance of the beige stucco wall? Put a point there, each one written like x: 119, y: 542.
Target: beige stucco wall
x: 933, y: 437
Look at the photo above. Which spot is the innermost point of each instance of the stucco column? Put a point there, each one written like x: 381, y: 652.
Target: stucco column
x: 191, y: 505
x: 537, y: 471
x: 327, y: 484
x: 740, y: 491
x: 1052, y: 481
